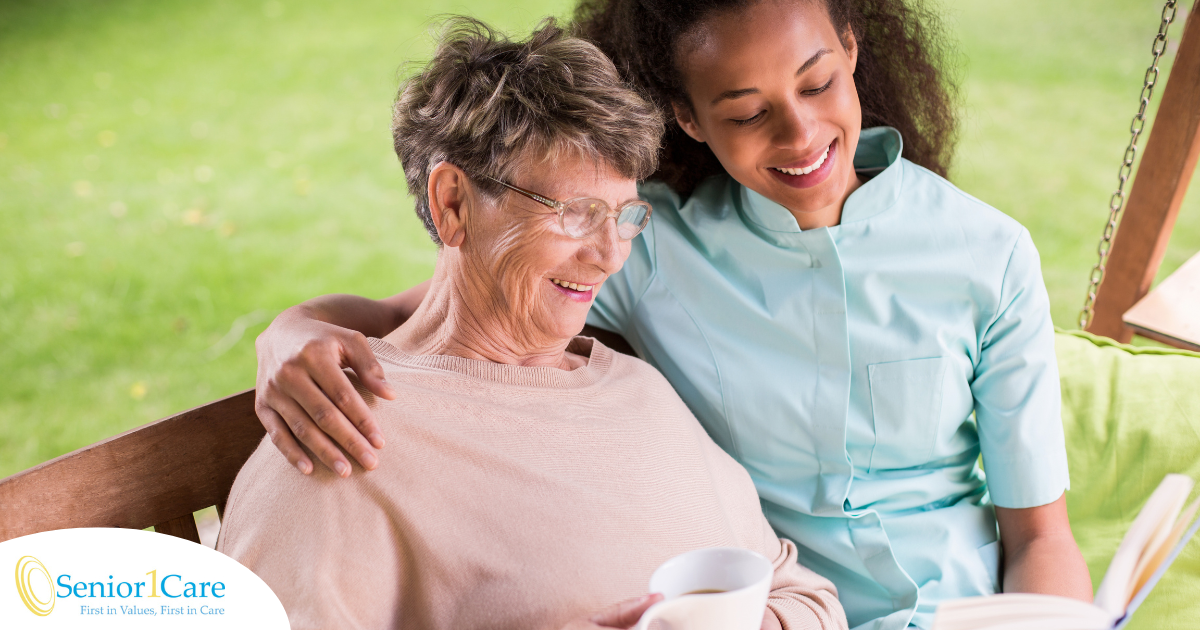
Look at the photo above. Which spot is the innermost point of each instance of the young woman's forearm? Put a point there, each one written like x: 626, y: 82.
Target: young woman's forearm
x: 1049, y: 566
x: 373, y: 318
x: 1040, y: 553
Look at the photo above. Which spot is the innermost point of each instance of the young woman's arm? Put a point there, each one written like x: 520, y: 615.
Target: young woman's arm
x: 1018, y: 412
x: 301, y: 392
x: 303, y: 396
x: 1040, y: 554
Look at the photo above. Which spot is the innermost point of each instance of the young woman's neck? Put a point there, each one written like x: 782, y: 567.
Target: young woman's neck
x: 830, y: 215
x: 461, y: 320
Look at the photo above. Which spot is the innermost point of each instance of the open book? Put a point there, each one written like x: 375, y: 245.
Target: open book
x: 1156, y: 537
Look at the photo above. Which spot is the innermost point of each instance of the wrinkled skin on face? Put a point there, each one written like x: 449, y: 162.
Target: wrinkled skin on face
x: 494, y: 295
x: 772, y: 87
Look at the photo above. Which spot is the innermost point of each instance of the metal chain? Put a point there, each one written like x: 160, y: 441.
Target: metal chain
x: 1117, y: 202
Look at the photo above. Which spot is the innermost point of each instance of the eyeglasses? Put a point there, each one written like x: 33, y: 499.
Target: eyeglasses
x: 581, y: 217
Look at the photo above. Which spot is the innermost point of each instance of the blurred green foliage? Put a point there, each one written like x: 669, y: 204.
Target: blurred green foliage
x: 173, y: 174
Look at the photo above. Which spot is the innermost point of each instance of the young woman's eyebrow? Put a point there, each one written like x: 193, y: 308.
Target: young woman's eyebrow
x: 731, y: 94
x: 812, y: 61
x: 804, y: 67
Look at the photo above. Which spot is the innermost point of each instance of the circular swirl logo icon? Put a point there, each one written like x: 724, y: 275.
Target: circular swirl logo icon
x: 31, y: 571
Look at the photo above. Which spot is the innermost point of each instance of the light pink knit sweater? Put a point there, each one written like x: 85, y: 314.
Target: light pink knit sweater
x: 507, y: 497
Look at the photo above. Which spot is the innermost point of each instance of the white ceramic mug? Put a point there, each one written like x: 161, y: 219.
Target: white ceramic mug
x: 742, y: 577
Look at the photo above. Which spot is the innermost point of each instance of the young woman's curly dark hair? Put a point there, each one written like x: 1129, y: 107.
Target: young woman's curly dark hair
x: 902, y: 74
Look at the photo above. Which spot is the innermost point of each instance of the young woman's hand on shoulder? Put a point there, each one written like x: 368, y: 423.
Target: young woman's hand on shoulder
x: 302, y: 395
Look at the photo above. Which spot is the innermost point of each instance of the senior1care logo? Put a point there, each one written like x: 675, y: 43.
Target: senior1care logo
x: 120, y: 578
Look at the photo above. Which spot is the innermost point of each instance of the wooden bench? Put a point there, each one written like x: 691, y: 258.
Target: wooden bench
x: 156, y: 475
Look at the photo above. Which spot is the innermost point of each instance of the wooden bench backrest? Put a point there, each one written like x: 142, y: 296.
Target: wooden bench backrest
x: 155, y: 475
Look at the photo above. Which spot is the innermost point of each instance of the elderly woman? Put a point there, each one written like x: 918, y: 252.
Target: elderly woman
x: 539, y: 476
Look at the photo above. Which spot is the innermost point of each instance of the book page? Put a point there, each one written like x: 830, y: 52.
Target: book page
x: 1144, y: 590
x: 1152, y: 525
x: 1150, y: 564
x: 1020, y: 611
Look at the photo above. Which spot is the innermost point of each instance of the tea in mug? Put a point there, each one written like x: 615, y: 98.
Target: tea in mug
x: 705, y: 591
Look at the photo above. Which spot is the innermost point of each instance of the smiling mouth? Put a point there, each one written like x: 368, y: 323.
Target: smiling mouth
x: 807, y: 169
x: 582, y: 288
x: 574, y: 291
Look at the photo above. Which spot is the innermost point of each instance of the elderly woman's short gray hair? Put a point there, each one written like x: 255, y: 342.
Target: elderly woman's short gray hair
x: 487, y: 105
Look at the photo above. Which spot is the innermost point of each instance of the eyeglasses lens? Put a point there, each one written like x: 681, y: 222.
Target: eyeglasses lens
x: 583, y: 217
x: 632, y: 219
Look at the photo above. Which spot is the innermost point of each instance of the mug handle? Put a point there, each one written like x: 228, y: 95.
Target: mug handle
x: 662, y: 609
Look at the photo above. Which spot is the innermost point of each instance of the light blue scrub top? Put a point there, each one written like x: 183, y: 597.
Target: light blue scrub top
x: 841, y: 367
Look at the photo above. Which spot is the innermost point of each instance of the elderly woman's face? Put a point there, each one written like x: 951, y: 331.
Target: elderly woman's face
x: 543, y: 281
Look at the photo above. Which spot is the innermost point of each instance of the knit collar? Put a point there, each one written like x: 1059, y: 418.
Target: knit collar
x: 599, y: 360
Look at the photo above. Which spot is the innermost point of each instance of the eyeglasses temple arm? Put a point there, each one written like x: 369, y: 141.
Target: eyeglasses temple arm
x: 527, y: 193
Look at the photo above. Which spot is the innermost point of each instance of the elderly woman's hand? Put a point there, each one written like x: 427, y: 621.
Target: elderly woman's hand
x: 623, y: 614
x: 302, y: 393
x: 626, y: 614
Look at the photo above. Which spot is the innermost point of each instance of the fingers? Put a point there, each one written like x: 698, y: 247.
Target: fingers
x: 350, y: 417
x: 359, y: 357
x: 306, y: 430
x: 306, y: 400
x: 625, y: 614
x: 329, y: 420
x: 281, y: 436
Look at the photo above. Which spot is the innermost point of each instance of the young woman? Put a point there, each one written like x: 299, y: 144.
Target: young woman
x: 846, y: 323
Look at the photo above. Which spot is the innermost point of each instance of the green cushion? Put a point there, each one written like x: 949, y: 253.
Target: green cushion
x: 1131, y: 415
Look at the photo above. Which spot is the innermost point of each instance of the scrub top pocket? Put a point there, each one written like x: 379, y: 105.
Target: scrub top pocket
x: 906, y: 407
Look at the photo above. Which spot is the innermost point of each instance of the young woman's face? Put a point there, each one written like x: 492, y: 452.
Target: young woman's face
x: 772, y: 93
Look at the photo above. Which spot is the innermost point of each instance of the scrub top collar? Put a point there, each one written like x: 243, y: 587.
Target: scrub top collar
x: 877, y: 157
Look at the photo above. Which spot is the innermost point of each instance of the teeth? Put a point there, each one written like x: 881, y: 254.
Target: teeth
x: 571, y: 285
x: 808, y: 169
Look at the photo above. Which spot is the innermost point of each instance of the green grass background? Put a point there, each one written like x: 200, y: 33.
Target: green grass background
x: 172, y: 174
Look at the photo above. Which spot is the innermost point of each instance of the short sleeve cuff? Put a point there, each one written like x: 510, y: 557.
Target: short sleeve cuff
x: 1027, y: 482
